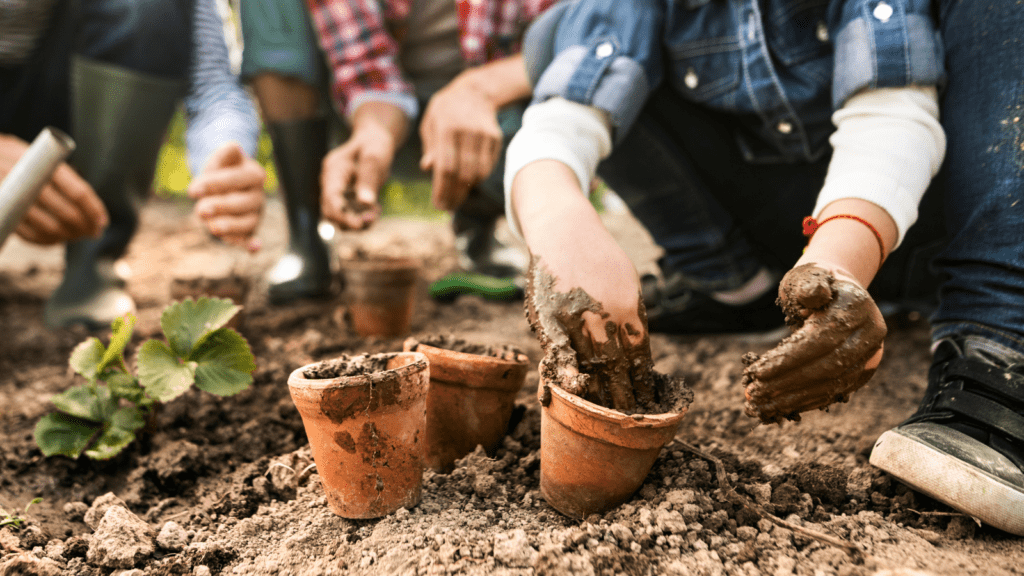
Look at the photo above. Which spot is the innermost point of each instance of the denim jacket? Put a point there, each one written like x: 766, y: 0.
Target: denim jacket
x: 780, y: 66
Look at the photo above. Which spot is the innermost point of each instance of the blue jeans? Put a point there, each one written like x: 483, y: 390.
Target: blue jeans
x: 149, y: 36
x: 720, y: 217
x: 983, y: 175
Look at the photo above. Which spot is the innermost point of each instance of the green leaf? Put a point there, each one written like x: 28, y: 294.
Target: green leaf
x: 225, y: 363
x: 120, y: 334
x: 58, y: 433
x: 185, y: 323
x: 86, y: 357
x: 130, y: 419
x: 110, y: 443
x: 81, y: 402
x: 161, y: 373
x: 124, y: 386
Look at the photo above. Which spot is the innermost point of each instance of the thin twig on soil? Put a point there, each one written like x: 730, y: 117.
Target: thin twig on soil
x: 740, y: 500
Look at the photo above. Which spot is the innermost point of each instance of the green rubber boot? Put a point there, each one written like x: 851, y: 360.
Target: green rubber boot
x: 304, y: 271
x: 119, y: 118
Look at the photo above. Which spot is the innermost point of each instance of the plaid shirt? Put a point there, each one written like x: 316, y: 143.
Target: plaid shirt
x: 361, y: 41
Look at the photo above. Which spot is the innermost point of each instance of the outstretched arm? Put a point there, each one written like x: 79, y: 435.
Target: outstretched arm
x: 888, y: 146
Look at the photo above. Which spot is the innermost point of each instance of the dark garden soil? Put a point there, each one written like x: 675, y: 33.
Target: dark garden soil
x: 227, y: 485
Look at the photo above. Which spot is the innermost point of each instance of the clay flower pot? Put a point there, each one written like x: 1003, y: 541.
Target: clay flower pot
x: 470, y: 399
x: 381, y: 293
x: 593, y: 458
x: 364, y: 417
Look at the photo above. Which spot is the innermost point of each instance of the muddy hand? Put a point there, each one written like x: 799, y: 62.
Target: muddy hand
x: 584, y: 351
x: 834, y: 348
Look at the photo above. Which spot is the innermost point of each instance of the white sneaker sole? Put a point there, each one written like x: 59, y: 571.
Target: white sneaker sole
x: 951, y: 481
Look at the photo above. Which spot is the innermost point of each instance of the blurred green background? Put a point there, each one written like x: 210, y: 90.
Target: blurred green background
x: 409, y: 198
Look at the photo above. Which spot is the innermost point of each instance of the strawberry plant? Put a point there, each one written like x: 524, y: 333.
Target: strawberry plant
x: 100, y: 418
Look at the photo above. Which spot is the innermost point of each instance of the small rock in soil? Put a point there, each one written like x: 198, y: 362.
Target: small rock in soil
x: 825, y: 482
x: 99, y: 508
x: 32, y: 536
x: 76, y: 510
x: 961, y: 528
x: 513, y: 549
x: 122, y: 540
x: 9, y: 543
x: 28, y: 565
x: 172, y: 537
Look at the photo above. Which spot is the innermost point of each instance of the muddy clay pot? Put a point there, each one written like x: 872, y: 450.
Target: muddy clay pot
x: 380, y: 293
x: 366, y: 432
x: 234, y: 288
x: 593, y: 458
x: 469, y: 403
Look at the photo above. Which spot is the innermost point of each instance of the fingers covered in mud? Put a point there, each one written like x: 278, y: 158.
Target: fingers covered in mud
x: 588, y: 353
x: 827, y: 357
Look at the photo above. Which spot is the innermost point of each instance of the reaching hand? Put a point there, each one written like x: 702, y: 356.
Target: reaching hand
x: 230, y: 195
x: 834, y: 349
x: 352, y: 175
x: 461, y: 142
x: 66, y: 208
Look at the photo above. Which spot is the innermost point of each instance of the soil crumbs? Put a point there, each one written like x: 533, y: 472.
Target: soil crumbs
x: 228, y: 485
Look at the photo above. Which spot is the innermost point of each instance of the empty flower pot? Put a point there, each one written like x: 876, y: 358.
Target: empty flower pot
x: 472, y: 394
x: 381, y: 293
x: 364, y: 417
x: 593, y: 458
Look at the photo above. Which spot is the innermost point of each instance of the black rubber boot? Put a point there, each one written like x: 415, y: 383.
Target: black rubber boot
x: 119, y: 118
x: 304, y: 271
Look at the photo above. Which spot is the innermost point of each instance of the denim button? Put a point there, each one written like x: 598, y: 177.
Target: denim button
x: 822, y: 32
x: 604, y: 50
x: 691, y: 79
x: 784, y: 127
x: 883, y: 12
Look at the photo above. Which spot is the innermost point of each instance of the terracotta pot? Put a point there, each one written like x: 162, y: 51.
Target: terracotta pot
x: 593, y: 458
x: 366, y: 433
x: 234, y: 288
x: 381, y: 293
x: 470, y: 401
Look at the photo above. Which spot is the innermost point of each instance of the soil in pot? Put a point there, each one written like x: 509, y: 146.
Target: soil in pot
x: 381, y: 293
x: 364, y: 417
x: 606, y: 413
x: 472, y: 394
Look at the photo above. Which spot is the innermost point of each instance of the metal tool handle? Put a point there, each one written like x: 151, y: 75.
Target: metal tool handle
x: 20, y: 188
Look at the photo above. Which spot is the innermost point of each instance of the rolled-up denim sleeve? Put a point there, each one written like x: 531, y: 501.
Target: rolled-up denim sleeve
x: 883, y: 44
x: 606, y: 54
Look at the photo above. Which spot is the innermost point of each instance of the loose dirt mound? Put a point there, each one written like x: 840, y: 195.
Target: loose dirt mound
x: 228, y: 485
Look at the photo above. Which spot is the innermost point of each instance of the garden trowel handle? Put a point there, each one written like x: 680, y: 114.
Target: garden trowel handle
x: 23, y: 183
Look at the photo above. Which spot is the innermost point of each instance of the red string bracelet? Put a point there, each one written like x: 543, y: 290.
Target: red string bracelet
x: 811, y: 226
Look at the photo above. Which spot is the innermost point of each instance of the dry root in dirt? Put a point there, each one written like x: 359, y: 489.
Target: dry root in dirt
x: 611, y: 373
x: 837, y: 330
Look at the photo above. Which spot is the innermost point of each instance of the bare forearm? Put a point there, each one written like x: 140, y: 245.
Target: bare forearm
x: 381, y: 119
x: 849, y: 246
x: 502, y: 81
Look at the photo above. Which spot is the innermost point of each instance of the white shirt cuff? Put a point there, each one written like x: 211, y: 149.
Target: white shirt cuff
x: 887, y: 147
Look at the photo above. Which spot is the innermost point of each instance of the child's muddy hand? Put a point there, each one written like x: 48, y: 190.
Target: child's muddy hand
x: 834, y: 349
x: 586, y: 351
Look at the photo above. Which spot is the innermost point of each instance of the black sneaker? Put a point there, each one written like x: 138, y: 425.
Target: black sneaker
x: 680, y: 310
x: 965, y: 444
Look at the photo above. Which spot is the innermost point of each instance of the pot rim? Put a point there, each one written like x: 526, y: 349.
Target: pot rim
x: 411, y: 342
x: 612, y: 416
x: 297, y: 380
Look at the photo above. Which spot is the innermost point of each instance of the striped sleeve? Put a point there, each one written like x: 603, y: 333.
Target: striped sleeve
x: 217, y: 108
